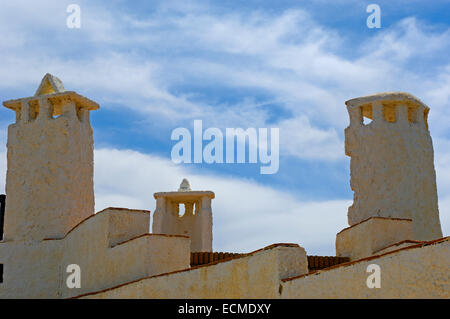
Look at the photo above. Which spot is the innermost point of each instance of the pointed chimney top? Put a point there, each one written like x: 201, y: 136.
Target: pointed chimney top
x: 184, y: 186
x: 50, y: 84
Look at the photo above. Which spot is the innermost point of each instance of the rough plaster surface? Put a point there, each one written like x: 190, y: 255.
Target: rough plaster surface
x: 392, y: 169
x: 420, y: 272
x: 363, y: 239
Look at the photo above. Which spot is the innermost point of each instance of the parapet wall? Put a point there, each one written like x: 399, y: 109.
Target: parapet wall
x: 107, y: 254
x: 256, y: 275
x: 419, y: 271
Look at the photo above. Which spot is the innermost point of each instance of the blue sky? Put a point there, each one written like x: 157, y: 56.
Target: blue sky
x: 157, y: 65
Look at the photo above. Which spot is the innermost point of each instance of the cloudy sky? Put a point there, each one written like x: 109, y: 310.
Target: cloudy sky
x: 157, y: 65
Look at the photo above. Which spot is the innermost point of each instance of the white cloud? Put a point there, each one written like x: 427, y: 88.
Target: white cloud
x: 406, y: 41
x: 300, y: 139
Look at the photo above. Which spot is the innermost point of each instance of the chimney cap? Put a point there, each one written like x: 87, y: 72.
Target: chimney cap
x: 407, y: 98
